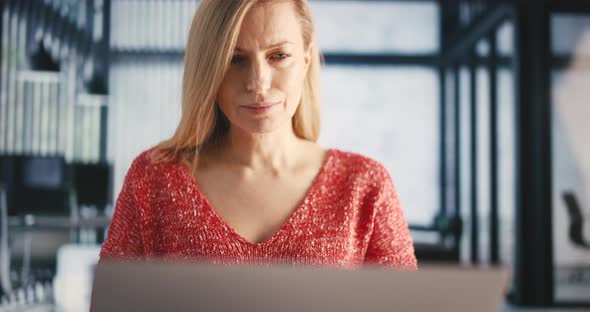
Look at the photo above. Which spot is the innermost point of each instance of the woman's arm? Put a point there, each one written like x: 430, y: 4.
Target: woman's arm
x: 390, y: 243
x: 124, y: 240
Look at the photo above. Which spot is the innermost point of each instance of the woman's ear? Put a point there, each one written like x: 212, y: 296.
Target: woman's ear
x: 307, y: 55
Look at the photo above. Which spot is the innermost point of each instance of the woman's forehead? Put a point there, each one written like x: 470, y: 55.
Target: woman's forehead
x: 272, y: 45
x: 268, y: 25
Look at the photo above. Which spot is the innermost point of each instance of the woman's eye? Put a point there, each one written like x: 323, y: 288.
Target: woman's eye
x: 236, y: 59
x: 280, y: 56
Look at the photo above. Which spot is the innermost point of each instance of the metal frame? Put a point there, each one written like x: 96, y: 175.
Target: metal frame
x: 533, y: 272
x: 457, y: 135
x: 493, y: 95
x: 568, y: 6
x: 105, y: 57
x: 347, y: 59
x: 473, y: 163
x: 443, y: 140
x: 534, y: 284
x: 465, y: 40
x: 443, y: 29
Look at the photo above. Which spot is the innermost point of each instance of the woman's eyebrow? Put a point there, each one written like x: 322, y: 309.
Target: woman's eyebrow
x: 271, y: 46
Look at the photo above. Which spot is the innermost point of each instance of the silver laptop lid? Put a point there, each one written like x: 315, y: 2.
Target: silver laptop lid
x: 202, y: 287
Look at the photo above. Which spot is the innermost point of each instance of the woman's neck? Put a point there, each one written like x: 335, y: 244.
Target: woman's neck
x: 272, y: 151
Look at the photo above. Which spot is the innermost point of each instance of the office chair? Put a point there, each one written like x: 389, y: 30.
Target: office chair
x: 447, y: 249
x: 92, y: 183
x: 576, y: 226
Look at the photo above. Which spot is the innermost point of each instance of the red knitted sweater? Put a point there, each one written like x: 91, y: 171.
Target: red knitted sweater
x: 350, y: 216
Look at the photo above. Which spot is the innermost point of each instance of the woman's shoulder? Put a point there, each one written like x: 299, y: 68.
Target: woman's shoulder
x: 142, y: 160
x: 145, y: 165
x: 358, y: 163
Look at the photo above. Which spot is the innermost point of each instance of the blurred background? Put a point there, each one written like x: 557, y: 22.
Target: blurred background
x: 478, y: 109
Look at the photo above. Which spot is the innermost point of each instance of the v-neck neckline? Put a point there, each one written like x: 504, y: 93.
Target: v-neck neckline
x: 289, y: 221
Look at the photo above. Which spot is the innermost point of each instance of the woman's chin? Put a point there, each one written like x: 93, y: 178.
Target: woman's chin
x: 261, y: 126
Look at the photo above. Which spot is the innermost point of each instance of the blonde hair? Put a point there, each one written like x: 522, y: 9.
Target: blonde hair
x: 212, y: 38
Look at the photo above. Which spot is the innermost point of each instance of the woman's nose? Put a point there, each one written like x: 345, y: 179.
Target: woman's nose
x: 259, y: 77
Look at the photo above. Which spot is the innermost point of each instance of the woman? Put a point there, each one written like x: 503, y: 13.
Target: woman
x: 242, y: 179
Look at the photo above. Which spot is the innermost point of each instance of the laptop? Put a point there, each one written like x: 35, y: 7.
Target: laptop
x: 206, y: 287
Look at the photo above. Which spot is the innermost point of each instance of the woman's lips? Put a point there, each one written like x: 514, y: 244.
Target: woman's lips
x: 260, y: 107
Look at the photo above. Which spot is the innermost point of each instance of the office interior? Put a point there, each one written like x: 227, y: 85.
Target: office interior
x: 477, y: 108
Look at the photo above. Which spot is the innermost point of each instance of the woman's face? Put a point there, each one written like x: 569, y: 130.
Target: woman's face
x: 263, y: 86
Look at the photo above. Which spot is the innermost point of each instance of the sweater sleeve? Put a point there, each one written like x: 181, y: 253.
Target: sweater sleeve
x: 124, y: 240
x: 390, y: 243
